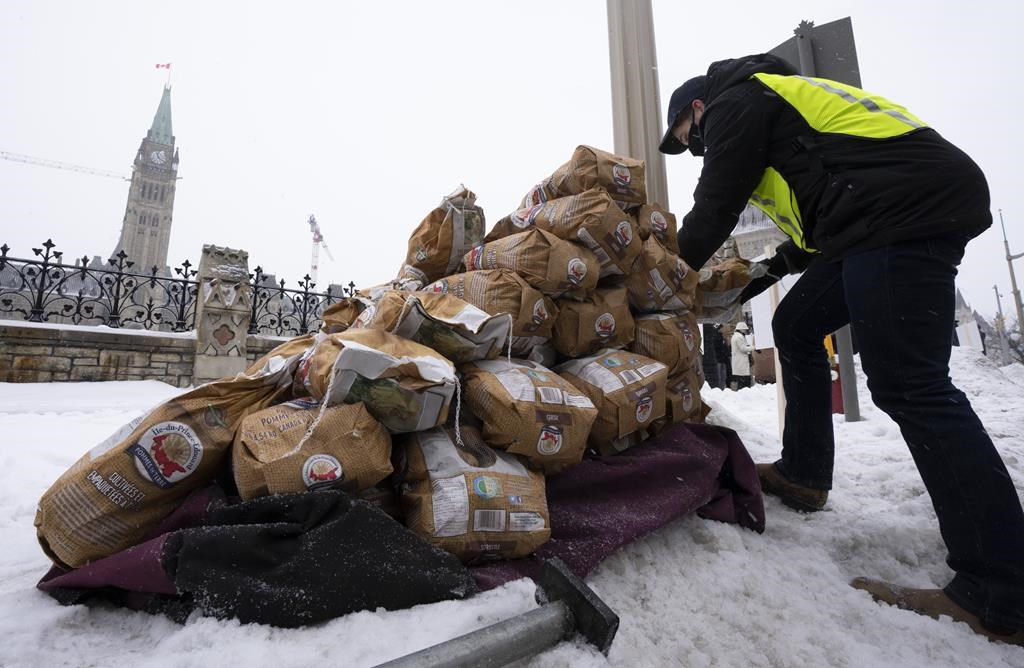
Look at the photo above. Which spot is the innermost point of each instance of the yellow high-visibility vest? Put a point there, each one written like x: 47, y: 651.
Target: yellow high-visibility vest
x: 828, y: 107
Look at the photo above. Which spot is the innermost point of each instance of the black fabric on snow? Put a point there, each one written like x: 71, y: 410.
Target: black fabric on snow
x: 286, y: 560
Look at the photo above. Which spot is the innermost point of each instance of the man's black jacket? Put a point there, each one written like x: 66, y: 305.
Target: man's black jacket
x: 853, y: 193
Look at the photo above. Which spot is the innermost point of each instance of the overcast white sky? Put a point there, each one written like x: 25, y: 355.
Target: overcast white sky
x: 367, y: 113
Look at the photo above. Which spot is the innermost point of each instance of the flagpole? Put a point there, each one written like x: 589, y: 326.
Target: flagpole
x: 166, y: 66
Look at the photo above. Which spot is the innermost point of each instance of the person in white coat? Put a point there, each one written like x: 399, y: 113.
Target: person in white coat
x: 740, y: 357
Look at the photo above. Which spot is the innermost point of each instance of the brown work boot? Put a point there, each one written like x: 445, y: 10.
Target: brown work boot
x: 934, y: 603
x: 795, y: 496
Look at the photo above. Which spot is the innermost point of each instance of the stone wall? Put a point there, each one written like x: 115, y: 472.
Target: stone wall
x: 219, y: 347
x: 32, y: 352
x: 258, y: 346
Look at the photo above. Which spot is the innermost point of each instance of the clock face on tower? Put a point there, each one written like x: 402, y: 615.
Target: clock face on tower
x: 158, y: 157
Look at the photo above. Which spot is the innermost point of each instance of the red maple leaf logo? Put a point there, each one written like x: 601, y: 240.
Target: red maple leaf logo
x: 168, y: 466
x: 331, y: 474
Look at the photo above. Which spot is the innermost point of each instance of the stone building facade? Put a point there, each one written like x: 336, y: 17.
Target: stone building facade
x: 148, y: 214
x: 754, y: 231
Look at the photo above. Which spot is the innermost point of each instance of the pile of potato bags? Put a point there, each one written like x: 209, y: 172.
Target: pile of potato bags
x: 444, y: 395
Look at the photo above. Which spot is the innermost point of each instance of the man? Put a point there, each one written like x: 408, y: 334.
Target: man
x: 740, y: 356
x: 878, y: 208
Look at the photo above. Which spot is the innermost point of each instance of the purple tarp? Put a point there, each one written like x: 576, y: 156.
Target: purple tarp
x: 596, y: 507
x: 604, y: 503
x: 139, y: 568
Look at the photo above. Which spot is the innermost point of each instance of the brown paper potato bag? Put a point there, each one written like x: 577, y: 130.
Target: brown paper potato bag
x: 603, y: 321
x: 272, y: 453
x: 660, y: 280
x: 455, y: 328
x: 554, y: 266
x: 499, y: 291
x: 591, y: 218
x: 588, y: 168
x: 672, y: 338
x: 653, y: 219
x: 475, y: 502
x: 118, y: 492
x: 628, y: 390
x: 405, y: 385
x: 529, y: 410
x: 441, y: 239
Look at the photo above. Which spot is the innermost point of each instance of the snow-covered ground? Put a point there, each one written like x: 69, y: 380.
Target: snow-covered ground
x: 696, y: 593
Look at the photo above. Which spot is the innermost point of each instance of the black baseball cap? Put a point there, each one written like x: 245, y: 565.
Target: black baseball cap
x: 681, y: 100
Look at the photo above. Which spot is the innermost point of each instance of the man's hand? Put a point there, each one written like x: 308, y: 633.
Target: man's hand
x: 759, y: 284
x: 788, y: 259
x: 758, y: 269
x: 764, y: 274
x: 716, y: 309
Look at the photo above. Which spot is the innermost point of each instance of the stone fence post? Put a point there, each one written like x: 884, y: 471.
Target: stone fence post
x: 223, y: 308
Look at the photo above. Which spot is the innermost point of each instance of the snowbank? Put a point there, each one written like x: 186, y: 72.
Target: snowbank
x: 696, y: 593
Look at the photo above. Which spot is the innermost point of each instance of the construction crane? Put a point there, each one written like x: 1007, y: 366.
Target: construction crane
x: 318, y: 241
x: 43, y: 162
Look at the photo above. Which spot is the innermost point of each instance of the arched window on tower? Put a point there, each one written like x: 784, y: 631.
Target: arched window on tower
x: 162, y: 192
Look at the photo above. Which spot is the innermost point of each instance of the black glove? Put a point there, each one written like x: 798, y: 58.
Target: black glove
x: 757, y: 286
x: 788, y: 259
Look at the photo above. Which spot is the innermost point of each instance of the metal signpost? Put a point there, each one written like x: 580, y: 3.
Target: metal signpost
x: 829, y: 51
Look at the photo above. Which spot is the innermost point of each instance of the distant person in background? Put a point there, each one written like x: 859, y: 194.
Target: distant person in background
x: 740, y: 357
x: 724, y: 356
x: 878, y: 208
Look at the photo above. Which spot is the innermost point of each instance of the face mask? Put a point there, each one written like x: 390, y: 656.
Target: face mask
x: 694, y: 140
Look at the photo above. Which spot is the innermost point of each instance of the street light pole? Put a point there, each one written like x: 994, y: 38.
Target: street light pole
x: 1013, y: 279
x: 1004, y: 345
x: 636, y: 104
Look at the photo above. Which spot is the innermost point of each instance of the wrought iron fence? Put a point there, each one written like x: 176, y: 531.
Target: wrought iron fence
x: 44, y: 289
x: 282, y: 312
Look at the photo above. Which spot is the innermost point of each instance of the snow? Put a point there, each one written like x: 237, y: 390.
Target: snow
x: 696, y: 593
x: 1014, y: 372
x: 190, y: 334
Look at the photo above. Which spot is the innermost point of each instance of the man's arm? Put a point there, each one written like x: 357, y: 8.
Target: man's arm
x: 737, y: 129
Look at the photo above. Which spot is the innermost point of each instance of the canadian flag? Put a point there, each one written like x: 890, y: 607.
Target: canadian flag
x: 165, y: 66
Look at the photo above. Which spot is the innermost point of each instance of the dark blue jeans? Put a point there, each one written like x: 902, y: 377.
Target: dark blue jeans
x: 899, y: 300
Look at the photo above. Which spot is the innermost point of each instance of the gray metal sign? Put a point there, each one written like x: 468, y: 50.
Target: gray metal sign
x: 826, y: 51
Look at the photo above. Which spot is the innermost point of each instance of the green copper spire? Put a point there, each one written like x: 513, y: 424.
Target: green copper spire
x: 161, y: 132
